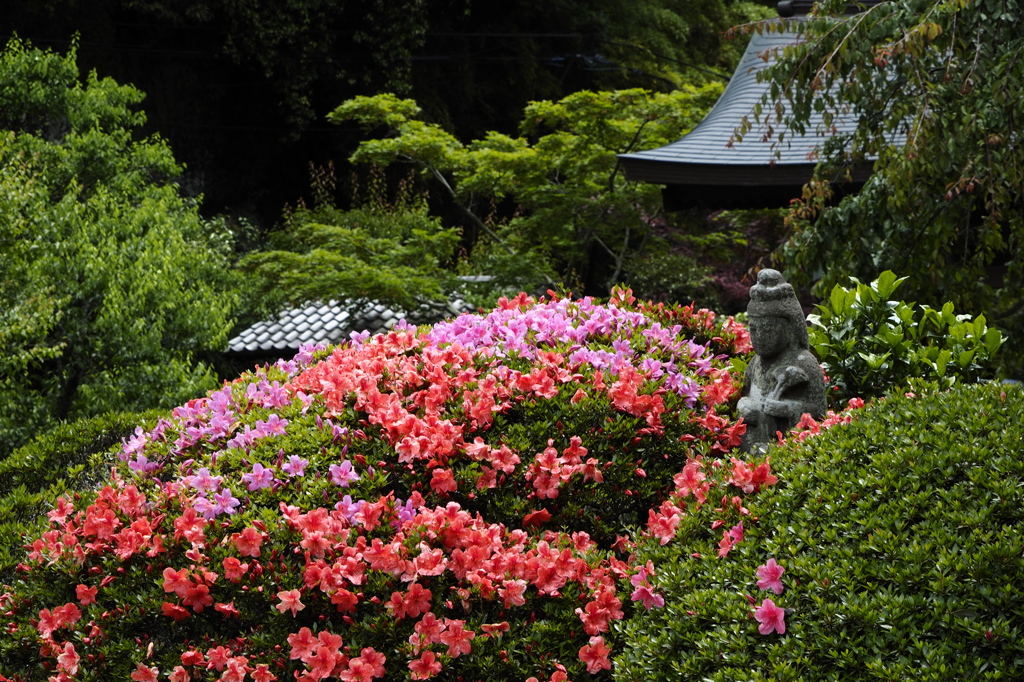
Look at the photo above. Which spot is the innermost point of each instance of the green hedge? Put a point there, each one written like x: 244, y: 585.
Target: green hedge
x: 901, y: 538
x: 70, y: 457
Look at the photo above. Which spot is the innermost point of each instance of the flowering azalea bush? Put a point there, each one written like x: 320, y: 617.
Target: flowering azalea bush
x: 891, y: 551
x: 458, y: 501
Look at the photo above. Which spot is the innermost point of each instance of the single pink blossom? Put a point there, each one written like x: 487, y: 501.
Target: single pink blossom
x: 771, y: 618
x: 290, y: 601
x: 296, y: 466
x: 649, y: 599
x: 770, y: 577
x: 260, y: 478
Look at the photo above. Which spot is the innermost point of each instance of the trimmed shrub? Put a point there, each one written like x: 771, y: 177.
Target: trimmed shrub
x: 448, y: 501
x: 72, y: 457
x: 867, y: 342
x: 900, y: 538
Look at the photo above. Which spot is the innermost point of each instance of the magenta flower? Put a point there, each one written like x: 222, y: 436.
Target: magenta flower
x: 770, y: 576
x: 349, y: 508
x: 136, y: 444
x: 141, y: 465
x: 343, y: 474
x: 204, y: 507
x: 225, y: 502
x: 261, y: 477
x: 203, y: 481
x: 274, y: 426
x: 649, y: 599
x: 296, y: 466
x: 771, y: 618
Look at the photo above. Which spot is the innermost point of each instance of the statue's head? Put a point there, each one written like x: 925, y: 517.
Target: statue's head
x: 776, y: 318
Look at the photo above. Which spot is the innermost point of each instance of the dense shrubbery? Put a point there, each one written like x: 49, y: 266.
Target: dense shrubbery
x: 527, y: 494
x: 900, y: 539
x: 71, y: 457
x: 451, y: 499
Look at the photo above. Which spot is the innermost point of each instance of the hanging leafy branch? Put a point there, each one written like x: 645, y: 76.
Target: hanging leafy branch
x: 934, y: 87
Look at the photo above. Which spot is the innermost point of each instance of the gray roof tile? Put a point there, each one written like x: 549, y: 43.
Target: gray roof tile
x: 331, y: 323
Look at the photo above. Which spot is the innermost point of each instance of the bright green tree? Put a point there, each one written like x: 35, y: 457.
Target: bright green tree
x: 552, y: 205
x: 935, y: 87
x: 113, y: 287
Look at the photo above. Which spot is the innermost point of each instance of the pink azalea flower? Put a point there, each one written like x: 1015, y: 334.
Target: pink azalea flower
x: 770, y: 576
x: 343, y: 474
x: 260, y: 478
x: 648, y: 598
x: 68, y: 659
x: 771, y: 618
x: 296, y: 466
x: 290, y: 601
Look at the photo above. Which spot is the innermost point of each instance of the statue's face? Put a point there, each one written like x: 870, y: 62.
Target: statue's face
x: 769, y: 335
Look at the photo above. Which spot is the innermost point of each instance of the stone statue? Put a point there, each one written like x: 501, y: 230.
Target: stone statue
x: 784, y: 380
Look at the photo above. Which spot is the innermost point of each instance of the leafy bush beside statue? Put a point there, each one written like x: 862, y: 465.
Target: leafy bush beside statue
x: 867, y: 342
x: 899, y: 539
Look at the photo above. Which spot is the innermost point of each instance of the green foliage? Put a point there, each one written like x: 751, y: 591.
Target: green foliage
x: 900, y: 537
x: 576, y: 219
x: 869, y: 343
x: 672, y: 276
x: 387, y: 250
x: 112, y: 284
x: 935, y: 88
x: 70, y: 458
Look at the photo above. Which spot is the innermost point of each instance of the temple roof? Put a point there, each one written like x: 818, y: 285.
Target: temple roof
x: 704, y: 169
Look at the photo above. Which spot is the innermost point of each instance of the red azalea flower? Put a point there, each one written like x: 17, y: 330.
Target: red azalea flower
x: 303, y: 643
x: 261, y: 673
x: 176, y: 581
x: 143, y: 673
x: 595, y: 655
x: 425, y: 667
x: 198, y: 597
x: 457, y: 638
x: 179, y: 674
x: 248, y: 542
x: 86, y: 595
x: 174, y: 611
x: 234, y: 569
x: 536, y: 518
